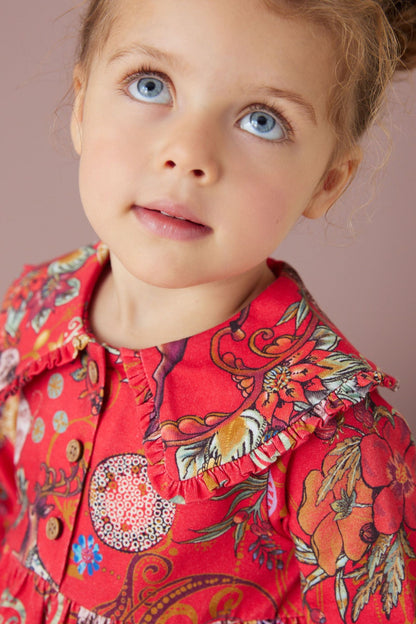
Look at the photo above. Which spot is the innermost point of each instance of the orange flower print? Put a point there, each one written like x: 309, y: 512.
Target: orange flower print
x: 287, y: 383
x: 338, y: 522
x: 395, y: 472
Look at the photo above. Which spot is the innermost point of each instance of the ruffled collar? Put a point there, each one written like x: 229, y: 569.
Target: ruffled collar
x: 223, y: 404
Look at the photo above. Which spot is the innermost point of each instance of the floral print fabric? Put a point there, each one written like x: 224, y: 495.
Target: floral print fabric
x: 249, y: 474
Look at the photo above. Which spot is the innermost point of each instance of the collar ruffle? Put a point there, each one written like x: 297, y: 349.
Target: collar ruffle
x: 221, y: 405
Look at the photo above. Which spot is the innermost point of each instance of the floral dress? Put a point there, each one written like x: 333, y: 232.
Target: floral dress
x: 250, y: 474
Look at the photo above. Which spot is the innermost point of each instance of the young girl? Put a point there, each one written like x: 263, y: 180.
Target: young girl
x: 186, y: 437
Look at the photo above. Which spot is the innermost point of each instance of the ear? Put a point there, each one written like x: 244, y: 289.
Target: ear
x: 333, y: 184
x: 79, y: 86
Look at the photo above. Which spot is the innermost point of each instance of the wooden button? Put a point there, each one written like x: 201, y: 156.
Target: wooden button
x: 53, y: 528
x: 93, y: 372
x: 74, y: 450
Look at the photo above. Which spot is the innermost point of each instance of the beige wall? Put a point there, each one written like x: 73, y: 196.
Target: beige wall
x: 366, y: 285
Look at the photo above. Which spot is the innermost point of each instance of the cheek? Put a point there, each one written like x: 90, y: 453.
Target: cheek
x: 272, y: 200
x: 106, y: 169
x: 93, y: 179
x: 284, y: 176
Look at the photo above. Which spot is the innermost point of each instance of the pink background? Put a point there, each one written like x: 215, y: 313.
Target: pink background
x: 365, y: 283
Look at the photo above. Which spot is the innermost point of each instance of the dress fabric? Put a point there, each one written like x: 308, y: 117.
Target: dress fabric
x: 250, y: 474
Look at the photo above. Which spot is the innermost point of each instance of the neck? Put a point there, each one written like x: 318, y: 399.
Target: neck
x: 127, y: 312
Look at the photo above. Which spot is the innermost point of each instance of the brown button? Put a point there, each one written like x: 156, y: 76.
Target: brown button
x: 93, y: 372
x: 53, y: 528
x: 74, y: 450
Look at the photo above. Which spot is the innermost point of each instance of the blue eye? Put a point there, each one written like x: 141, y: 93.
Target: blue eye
x: 150, y: 89
x: 263, y: 125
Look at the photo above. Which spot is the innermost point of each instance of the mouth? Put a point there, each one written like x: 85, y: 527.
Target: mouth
x: 171, y: 216
x: 171, y: 220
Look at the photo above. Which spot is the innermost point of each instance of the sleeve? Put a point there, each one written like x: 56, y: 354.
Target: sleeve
x: 8, y: 491
x: 351, y: 514
x: 9, y: 405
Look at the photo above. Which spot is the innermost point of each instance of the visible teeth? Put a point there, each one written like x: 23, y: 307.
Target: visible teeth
x: 171, y: 216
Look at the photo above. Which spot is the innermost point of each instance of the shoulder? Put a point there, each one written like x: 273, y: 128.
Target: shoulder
x: 42, y: 304
x: 39, y: 289
x: 351, y: 494
x: 370, y: 443
x: 284, y: 371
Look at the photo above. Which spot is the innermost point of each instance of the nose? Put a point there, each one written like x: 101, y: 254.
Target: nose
x: 191, y: 150
x: 197, y: 173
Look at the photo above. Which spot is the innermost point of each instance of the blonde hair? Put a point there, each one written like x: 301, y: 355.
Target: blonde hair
x: 372, y: 39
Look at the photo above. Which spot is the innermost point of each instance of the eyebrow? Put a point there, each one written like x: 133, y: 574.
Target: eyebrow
x: 139, y: 48
x: 296, y: 98
x: 172, y: 60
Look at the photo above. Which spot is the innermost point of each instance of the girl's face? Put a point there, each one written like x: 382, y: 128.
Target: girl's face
x: 203, y: 136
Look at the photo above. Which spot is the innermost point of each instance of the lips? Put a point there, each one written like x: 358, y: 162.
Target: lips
x: 171, y: 220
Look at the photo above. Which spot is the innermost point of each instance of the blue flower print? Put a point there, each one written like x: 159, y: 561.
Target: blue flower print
x: 87, y: 555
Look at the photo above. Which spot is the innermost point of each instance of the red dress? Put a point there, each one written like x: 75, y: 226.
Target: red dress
x: 248, y: 474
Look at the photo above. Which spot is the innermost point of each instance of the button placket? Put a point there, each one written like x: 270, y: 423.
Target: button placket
x: 93, y: 373
x: 88, y: 370
x: 75, y: 448
x: 95, y: 376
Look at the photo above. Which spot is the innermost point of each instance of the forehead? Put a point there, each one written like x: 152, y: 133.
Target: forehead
x: 246, y: 38
x: 228, y: 14
x: 237, y: 20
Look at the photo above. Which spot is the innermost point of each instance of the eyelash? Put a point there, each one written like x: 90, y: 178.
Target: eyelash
x: 278, y: 115
x: 148, y: 70
x: 145, y: 70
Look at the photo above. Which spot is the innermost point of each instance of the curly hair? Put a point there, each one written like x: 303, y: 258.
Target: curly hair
x: 373, y: 39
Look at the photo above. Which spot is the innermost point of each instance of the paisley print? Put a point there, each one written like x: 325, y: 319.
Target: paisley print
x: 250, y: 474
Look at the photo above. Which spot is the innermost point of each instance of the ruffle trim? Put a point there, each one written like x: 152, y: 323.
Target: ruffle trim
x: 47, y: 604
x: 24, y: 590
x: 38, y: 351
x: 30, y: 368
x: 208, y: 482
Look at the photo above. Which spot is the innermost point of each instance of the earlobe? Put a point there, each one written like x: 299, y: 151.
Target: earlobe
x: 334, y: 183
x: 77, y: 109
